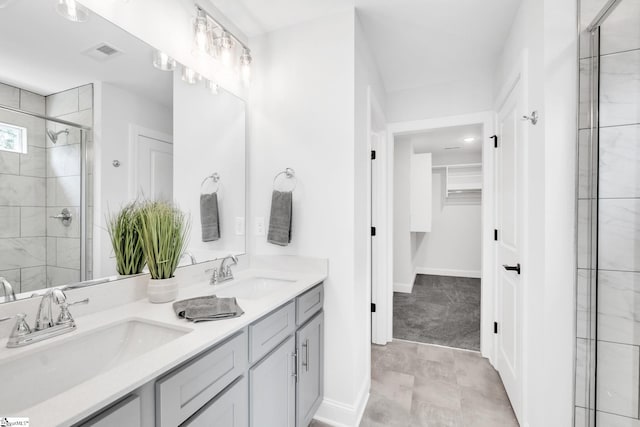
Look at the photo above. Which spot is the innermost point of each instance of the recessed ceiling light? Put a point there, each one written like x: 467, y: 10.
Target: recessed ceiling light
x: 469, y: 139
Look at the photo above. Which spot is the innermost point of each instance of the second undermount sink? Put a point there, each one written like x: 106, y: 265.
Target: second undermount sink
x: 36, y: 376
x: 253, y: 288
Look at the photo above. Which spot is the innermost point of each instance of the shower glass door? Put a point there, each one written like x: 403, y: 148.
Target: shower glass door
x: 608, y: 273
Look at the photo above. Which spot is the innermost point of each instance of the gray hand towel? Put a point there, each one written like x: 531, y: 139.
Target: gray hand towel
x: 280, y: 219
x: 209, y: 217
x: 202, y: 309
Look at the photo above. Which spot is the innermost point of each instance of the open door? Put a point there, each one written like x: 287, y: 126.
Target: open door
x: 509, y: 222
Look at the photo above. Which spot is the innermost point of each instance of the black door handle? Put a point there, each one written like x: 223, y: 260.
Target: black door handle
x: 515, y: 268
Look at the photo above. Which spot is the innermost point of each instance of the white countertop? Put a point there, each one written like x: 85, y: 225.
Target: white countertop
x: 90, y: 396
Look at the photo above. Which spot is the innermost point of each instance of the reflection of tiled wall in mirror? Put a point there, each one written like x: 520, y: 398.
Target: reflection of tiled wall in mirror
x: 63, y: 163
x: 23, y: 195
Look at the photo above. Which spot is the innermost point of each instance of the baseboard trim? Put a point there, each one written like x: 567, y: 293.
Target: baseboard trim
x: 405, y: 288
x: 339, y: 414
x: 449, y: 272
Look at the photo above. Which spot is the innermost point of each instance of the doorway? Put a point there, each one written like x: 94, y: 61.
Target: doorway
x: 438, y: 236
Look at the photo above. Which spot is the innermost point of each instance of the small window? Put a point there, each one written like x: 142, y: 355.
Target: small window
x: 13, y: 138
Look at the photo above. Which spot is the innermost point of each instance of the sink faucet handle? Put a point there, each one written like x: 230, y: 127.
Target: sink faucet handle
x: 65, y: 316
x: 21, y: 327
x: 214, y: 275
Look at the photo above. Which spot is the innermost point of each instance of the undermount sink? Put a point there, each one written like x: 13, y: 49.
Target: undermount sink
x: 33, y: 377
x: 252, y: 288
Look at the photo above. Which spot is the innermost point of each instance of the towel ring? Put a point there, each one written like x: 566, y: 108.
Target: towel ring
x: 215, y: 178
x: 289, y: 174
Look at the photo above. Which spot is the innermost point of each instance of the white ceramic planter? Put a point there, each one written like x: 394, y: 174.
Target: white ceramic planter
x: 162, y: 290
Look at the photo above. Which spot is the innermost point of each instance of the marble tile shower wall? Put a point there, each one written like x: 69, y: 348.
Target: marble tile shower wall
x: 64, y: 182
x: 23, y: 195
x: 615, y: 206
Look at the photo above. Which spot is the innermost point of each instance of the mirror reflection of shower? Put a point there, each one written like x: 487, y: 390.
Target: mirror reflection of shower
x: 53, y: 136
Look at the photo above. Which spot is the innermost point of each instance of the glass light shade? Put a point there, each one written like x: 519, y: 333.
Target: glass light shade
x: 245, y: 67
x: 225, y: 48
x: 202, y: 34
x: 72, y: 10
x: 190, y: 76
x: 212, y: 86
x: 163, y: 62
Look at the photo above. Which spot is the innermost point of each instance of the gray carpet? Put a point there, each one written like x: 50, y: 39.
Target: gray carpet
x: 440, y: 310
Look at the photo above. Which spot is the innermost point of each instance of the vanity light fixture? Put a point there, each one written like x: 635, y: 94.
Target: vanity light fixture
x: 202, y: 34
x: 469, y: 140
x: 190, y: 76
x: 163, y: 62
x: 212, y: 86
x: 72, y: 10
x: 225, y: 48
x: 245, y: 66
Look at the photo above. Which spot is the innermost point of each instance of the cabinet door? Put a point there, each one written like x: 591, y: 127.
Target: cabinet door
x: 272, y: 387
x: 310, y: 343
x: 229, y: 409
x: 125, y: 413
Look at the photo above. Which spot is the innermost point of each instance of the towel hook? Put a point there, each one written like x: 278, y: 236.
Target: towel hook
x: 215, y: 177
x: 289, y: 173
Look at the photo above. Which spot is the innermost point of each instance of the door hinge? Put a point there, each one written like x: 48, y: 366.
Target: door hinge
x: 295, y: 365
x: 495, y: 235
x: 495, y: 327
x: 373, y: 154
x: 373, y: 231
x: 373, y: 308
x: 495, y: 141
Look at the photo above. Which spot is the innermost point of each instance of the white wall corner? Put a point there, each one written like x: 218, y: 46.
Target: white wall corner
x: 405, y: 288
x: 339, y: 414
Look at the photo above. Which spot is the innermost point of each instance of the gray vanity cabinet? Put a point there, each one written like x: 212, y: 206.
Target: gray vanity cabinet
x: 125, y: 413
x: 229, y: 409
x: 272, y: 388
x: 310, y: 339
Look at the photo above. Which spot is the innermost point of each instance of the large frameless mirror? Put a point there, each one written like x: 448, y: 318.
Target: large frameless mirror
x: 88, y: 125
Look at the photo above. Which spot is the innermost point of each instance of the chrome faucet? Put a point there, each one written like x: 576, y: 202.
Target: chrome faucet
x: 224, y: 273
x: 192, y: 258
x: 7, y: 290
x: 44, y: 327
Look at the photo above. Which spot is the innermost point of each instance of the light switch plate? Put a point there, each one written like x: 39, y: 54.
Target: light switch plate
x: 260, y: 226
x: 239, y: 226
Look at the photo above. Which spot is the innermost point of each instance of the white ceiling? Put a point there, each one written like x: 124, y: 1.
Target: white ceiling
x: 446, y: 141
x: 415, y: 42
x: 42, y: 52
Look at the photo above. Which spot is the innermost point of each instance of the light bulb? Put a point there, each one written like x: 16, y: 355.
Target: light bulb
x: 469, y: 140
x: 245, y: 66
x: 225, y: 46
x: 163, y: 62
x: 190, y: 76
x: 212, y: 86
x: 73, y: 11
x: 201, y: 34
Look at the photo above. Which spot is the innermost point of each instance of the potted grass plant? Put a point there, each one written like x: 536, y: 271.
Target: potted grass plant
x: 164, y: 232
x: 125, y: 240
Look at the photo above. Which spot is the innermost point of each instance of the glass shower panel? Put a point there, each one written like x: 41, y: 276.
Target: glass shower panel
x: 608, y: 285
x: 41, y: 182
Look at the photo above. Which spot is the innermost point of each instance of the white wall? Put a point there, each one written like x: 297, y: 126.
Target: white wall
x: 208, y: 137
x: 454, y: 245
x: 115, y: 110
x: 302, y: 116
x: 547, y: 31
x: 457, y: 97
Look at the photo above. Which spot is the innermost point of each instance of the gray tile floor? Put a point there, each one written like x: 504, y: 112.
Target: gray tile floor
x: 440, y: 310
x: 419, y: 385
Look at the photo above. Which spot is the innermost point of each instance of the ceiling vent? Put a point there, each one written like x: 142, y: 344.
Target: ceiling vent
x: 102, y: 52
x: 452, y: 148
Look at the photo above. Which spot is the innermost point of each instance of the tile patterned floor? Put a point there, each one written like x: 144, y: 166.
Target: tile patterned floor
x: 418, y: 385
x: 440, y: 310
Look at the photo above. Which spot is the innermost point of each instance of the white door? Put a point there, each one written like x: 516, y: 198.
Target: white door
x: 154, y: 168
x: 509, y: 223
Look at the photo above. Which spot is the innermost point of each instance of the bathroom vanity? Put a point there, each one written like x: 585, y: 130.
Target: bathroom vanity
x: 138, y: 364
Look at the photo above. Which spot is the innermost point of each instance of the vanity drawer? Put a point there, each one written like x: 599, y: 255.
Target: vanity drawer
x: 125, y: 413
x: 184, y: 391
x: 229, y: 409
x: 309, y: 304
x: 267, y: 333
